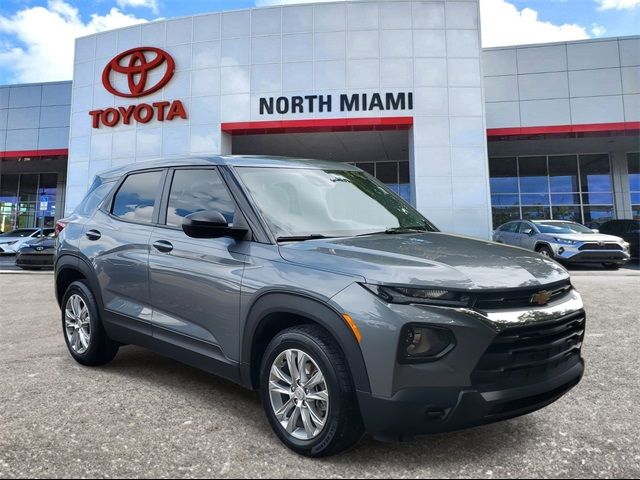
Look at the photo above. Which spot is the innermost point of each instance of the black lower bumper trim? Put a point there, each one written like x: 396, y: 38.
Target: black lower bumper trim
x: 422, y: 411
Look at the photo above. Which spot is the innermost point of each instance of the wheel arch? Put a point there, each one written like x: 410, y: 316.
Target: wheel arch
x: 70, y: 268
x: 274, y: 312
x: 540, y: 244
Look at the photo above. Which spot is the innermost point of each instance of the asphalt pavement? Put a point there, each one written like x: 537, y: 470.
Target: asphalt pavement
x: 146, y: 416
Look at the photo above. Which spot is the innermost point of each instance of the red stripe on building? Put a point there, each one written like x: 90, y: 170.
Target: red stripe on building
x: 318, y: 125
x: 35, y: 153
x: 583, y: 128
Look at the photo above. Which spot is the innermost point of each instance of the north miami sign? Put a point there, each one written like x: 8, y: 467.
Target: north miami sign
x: 135, y: 66
x: 357, y: 102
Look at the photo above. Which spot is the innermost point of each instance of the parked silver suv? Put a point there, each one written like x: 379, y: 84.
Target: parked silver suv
x: 315, y: 284
x: 567, y: 242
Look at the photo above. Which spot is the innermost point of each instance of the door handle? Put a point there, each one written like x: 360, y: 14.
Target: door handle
x: 163, y: 246
x: 93, y: 235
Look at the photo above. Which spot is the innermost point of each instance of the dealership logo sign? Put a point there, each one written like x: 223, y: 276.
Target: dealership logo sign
x: 137, y: 66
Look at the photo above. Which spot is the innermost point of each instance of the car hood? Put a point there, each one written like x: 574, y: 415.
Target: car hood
x: 11, y: 239
x: 586, y: 237
x: 427, y: 259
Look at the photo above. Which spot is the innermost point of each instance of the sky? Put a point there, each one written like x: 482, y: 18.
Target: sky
x: 36, y: 36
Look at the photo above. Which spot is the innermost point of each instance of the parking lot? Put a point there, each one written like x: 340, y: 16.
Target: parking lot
x: 145, y: 416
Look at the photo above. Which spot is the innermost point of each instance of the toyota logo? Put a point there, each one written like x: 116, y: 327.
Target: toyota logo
x: 136, y: 64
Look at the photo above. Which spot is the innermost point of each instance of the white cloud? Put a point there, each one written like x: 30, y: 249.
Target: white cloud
x: 598, y: 30
x: 151, y: 4
x: 38, y: 42
x: 618, y: 4
x: 504, y: 24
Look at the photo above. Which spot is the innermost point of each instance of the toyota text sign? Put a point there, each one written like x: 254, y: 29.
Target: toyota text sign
x: 136, y: 66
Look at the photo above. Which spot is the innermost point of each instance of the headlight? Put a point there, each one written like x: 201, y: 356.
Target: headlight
x: 421, y: 343
x: 626, y: 246
x: 428, y: 296
x: 564, y: 241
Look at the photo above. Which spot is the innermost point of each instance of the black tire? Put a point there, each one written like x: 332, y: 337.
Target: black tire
x: 612, y: 266
x: 544, y: 250
x: 101, y: 349
x: 343, y: 428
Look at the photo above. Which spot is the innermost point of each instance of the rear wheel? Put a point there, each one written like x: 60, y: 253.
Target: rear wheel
x: 84, y: 334
x: 308, y: 394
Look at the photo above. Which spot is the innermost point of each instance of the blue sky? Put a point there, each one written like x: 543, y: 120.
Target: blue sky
x: 36, y: 36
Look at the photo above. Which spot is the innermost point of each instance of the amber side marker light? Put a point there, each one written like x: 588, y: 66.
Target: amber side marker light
x: 352, y: 325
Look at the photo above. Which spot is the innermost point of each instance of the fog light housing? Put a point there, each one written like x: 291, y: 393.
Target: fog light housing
x: 561, y: 250
x: 421, y: 343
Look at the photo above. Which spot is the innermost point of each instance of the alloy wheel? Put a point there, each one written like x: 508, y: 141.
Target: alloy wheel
x: 299, y: 394
x: 77, y: 324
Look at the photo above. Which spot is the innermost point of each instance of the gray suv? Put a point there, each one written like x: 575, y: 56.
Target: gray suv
x: 316, y: 285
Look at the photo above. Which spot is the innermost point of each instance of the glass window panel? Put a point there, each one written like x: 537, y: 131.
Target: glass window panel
x: 9, y: 188
x: 197, y: 190
x: 572, y: 214
x: 405, y: 192
x: 26, y: 215
x: 502, y: 215
x: 594, y: 216
x: 533, y: 174
x: 28, y: 187
x: 394, y: 187
x: 387, y: 172
x: 136, y: 198
x: 633, y: 161
x: 635, y: 198
x: 636, y: 212
x: 505, y: 199
x: 595, y: 173
x: 535, y: 199
x: 404, y: 172
x: 536, y: 213
x: 565, y: 199
x: 368, y: 167
x: 504, y: 175
x: 597, y: 198
x: 563, y: 173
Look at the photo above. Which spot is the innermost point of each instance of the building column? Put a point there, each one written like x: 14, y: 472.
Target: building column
x: 621, y: 193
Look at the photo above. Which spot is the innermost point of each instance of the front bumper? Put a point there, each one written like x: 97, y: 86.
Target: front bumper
x: 35, y: 259
x: 573, y: 254
x: 421, y: 411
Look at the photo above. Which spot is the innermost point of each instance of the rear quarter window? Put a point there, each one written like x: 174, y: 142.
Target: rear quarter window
x: 93, y: 198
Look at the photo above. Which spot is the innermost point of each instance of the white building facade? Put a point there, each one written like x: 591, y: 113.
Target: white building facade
x: 400, y: 88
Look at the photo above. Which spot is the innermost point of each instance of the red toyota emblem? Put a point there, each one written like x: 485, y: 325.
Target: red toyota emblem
x: 136, y: 64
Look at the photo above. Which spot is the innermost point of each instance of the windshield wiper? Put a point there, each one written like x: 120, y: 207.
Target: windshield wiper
x: 398, y: 230
x: 301, y: 238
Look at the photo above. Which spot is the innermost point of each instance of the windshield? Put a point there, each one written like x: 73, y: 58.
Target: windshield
x: 301, y: 202
x: 19, y: 233
x: 562, y: 227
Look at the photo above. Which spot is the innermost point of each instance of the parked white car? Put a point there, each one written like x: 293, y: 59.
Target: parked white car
x: 11, y: 242
x: 564, y: 241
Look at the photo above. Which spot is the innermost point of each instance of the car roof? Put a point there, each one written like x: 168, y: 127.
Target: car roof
x: 228, y: 160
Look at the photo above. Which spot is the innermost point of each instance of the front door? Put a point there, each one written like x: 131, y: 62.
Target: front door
x: 195, y: 283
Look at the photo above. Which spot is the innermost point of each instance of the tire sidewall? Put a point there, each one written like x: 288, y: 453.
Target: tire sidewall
x: 298, y: 341
x: 80, y: 288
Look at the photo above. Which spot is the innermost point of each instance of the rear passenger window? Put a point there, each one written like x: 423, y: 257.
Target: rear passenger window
x: 136, y: 198
x: 196, y: 190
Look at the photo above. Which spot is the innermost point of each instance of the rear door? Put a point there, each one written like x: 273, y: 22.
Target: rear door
x: 195, y: 283
x: 527, y: 235
x: 116, y: 242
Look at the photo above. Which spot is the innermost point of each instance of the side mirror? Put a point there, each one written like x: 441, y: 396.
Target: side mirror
x: 210, y: 224
x: 529, y: 231
x: 595, y: 230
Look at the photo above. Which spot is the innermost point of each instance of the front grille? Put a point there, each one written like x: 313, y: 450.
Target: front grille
x: 601, y: 246
x: 531, y: 353
x: 518, y: 298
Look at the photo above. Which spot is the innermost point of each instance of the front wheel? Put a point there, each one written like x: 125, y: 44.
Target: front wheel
x: 308, y: 394
x: 545, y: 251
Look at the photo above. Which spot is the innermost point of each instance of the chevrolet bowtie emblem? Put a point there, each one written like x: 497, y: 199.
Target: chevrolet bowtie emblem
x: 541, y: 298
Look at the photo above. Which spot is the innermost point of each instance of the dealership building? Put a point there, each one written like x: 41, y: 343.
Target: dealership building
x: 402, y: 89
